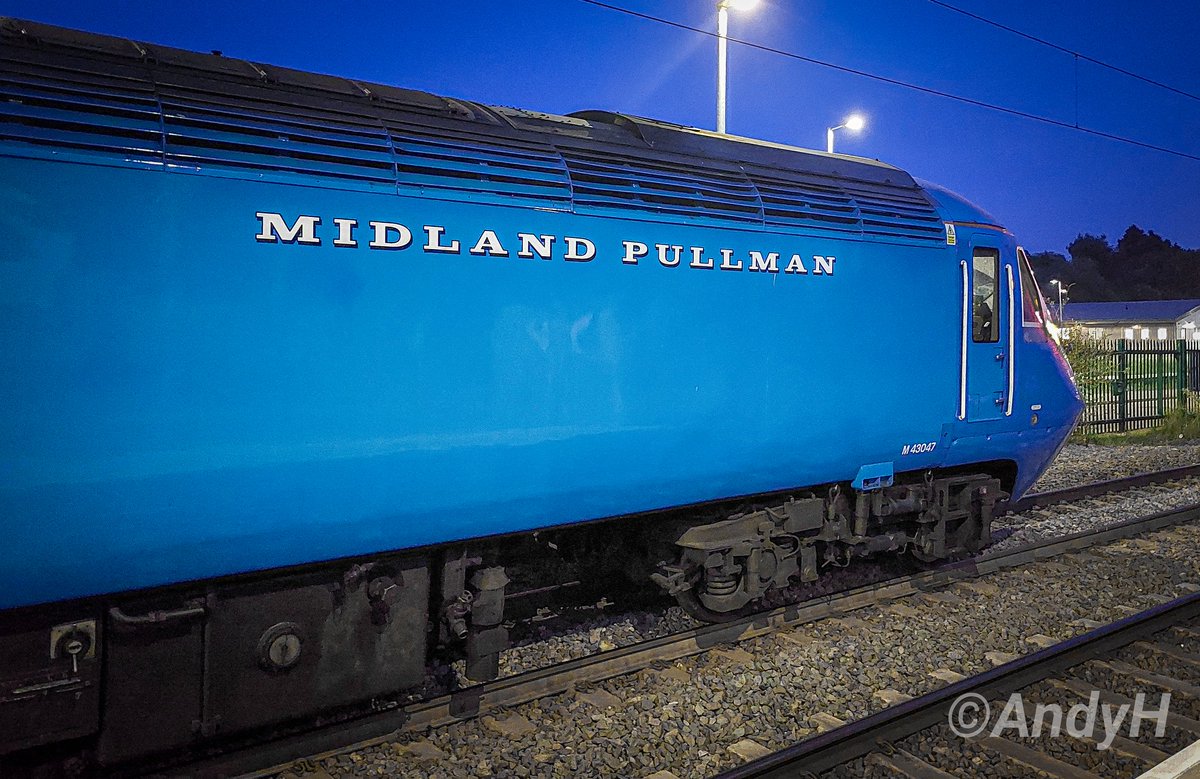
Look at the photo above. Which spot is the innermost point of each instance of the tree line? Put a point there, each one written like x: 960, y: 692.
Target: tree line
x: 1141, y: 266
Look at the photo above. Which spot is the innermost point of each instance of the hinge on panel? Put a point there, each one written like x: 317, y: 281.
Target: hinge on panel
x: 206, y: 728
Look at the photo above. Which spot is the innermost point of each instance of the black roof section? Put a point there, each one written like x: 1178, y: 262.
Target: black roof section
x: 87, y: 96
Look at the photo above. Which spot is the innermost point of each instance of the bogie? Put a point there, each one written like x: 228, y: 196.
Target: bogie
x: 726, y: 566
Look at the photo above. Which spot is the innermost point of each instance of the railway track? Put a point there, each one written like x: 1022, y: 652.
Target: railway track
x: 1092, y: 489
x: 915, y: 739
x: 294, y: 754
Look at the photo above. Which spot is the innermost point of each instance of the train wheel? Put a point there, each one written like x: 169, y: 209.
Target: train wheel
x: 689, y: 601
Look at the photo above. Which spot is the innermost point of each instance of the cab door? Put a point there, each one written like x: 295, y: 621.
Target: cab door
x: 985, y: 391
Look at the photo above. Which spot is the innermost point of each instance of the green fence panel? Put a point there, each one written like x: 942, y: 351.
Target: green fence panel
x: 1132, y: 384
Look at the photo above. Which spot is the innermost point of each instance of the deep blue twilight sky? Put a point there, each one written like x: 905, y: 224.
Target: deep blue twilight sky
x: 1047, y: 184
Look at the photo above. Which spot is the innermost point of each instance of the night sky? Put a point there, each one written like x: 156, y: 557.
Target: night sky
x: 1047, y: 184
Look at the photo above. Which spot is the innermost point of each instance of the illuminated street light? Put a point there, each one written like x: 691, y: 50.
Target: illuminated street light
x: 722, y: 50
x: 853, y: 123
x: 1061, y: 290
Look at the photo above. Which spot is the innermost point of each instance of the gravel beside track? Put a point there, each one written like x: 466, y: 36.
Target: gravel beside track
x: 1081, y: 464
x: 1063, y: 519
x: 773, y: 689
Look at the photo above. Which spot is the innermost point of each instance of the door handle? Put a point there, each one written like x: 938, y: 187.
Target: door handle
x: 193, y: 609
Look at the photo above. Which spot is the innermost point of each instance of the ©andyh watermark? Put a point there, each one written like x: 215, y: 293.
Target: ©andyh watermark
x: 971, y: 717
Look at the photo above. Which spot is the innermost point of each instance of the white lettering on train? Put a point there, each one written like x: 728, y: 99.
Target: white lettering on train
x: 579, y: 249
x: 275, y: 229
x: 345, y: 233
x: 633, y: 251
x: 535, y: 245
x: 303, y: 229
x: 390, y: 235
x: 433, y: 242
x: 768, y: 264
x: 489, y: 244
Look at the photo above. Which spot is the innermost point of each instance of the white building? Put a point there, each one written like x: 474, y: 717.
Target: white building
x: 1143, y: 320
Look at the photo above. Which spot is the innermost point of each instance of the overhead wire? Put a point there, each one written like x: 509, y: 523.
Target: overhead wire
x: 1065, y: 50
x: 899, y: 83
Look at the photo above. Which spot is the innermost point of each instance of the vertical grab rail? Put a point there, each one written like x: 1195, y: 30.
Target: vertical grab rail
x: 1012, y: 340
x: 962, y: 368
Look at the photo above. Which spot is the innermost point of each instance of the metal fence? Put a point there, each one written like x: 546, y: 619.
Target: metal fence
x: 1131, y: 384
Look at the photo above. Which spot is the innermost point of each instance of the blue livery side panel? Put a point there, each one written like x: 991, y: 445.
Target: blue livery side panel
x: 186, y: 401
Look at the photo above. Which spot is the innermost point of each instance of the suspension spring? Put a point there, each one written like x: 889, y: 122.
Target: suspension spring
x: 720, y: 584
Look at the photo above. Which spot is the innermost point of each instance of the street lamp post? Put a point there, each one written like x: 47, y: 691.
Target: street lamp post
x: 1061, y: 289
x: 853, y: 123
x: 723, y: 51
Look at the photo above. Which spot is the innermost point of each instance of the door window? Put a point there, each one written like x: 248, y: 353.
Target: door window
x: 985, y: 313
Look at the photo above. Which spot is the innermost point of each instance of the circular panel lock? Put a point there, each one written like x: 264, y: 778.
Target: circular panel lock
x: 74, y: 644
x: 280, y: 647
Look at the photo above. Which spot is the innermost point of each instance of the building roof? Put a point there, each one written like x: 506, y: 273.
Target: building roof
x: 1129, y: 311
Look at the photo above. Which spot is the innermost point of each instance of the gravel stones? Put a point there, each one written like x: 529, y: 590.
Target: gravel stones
x: 748, y: 749
x: 1030, y: 527
x: 1081, y: 464
x: 420, y: 750
x: 599, y: 699
x: 510, y: 725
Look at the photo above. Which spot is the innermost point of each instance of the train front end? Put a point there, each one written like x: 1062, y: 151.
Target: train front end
x: 1017, y: 399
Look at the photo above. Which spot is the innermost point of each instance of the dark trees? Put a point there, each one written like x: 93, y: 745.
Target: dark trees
x: 1141, y: 266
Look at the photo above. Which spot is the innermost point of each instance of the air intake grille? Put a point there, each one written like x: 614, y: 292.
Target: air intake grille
x: 603, y: 181
x: 219, y: 120
x: 465, y: 164
x: 801, y: 202
x: 74, y: 104
x: 846, y: 205
x: 895, y: 211
x: 247, y: 128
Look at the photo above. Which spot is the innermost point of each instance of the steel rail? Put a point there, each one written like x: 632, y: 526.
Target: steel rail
x: 1093, y: 489
x: 857, y: 739
x: 528, y: 686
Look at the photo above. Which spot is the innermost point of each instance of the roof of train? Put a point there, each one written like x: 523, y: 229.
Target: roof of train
x: 143, y: 104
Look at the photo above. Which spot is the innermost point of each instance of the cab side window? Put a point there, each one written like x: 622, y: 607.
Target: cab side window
x: 1031, y: 307
x: 985, y: 311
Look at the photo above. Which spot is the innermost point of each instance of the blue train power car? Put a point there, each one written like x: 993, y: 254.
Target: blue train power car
x: 283, y: 352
